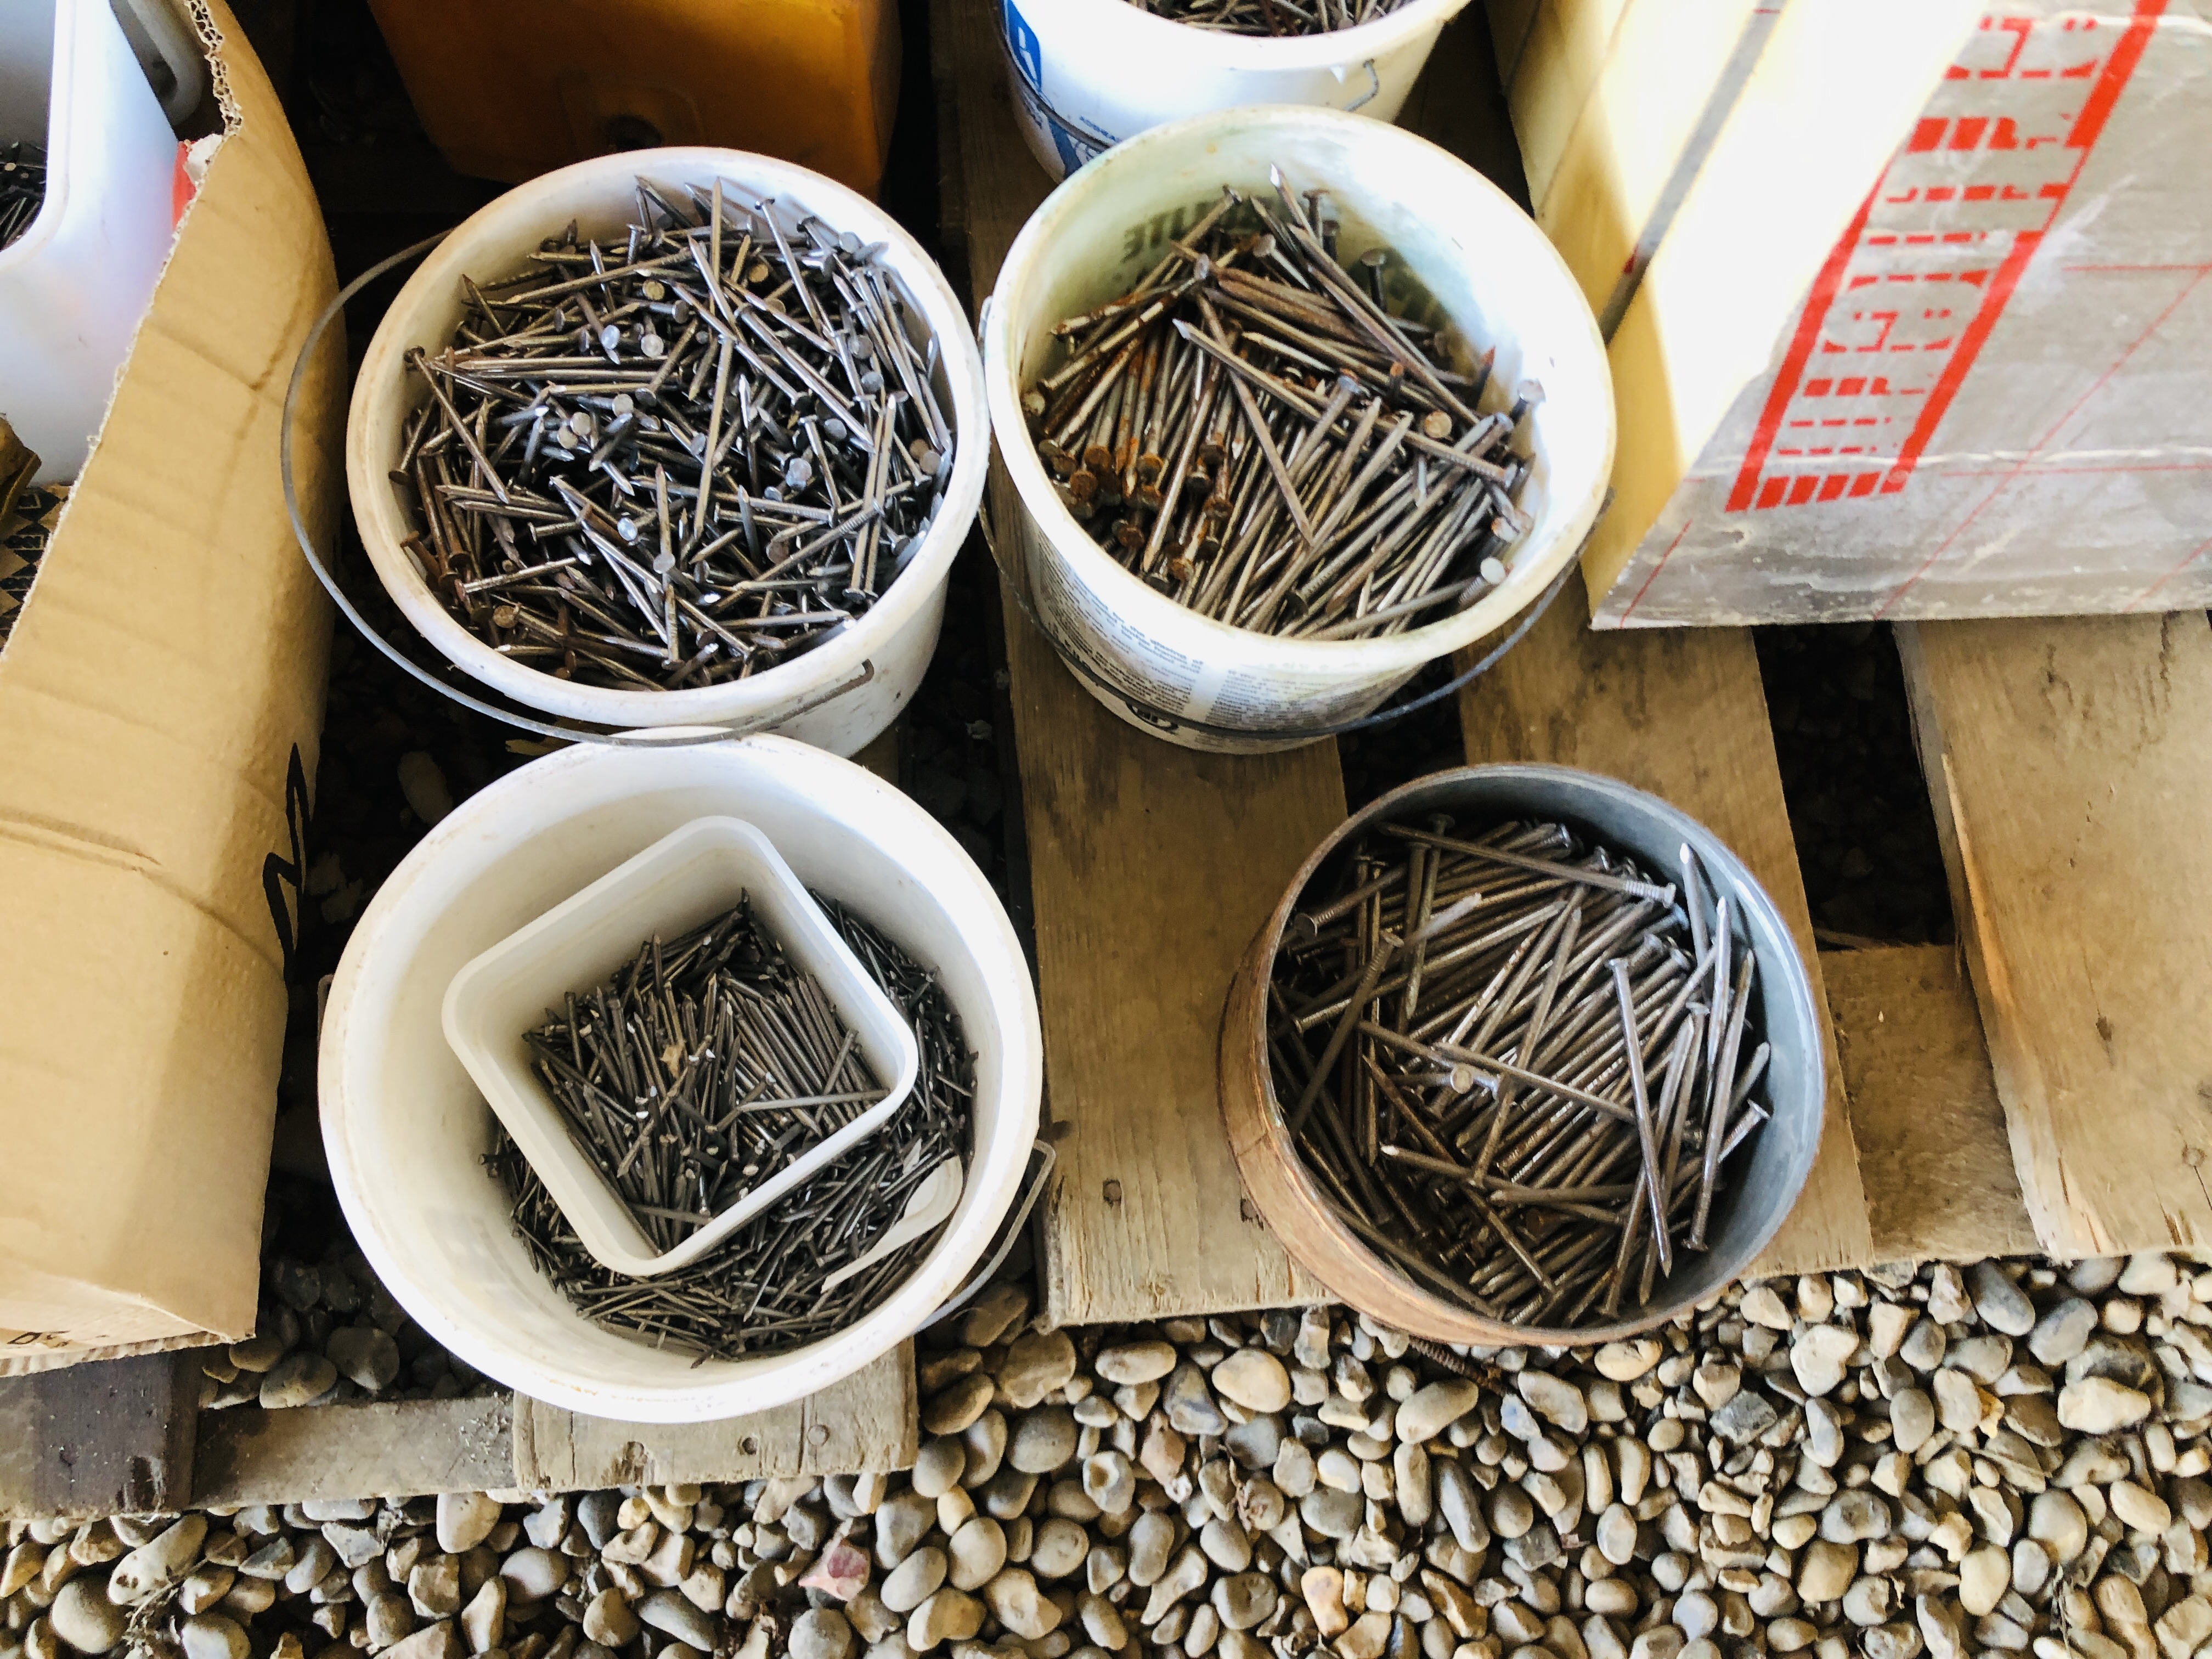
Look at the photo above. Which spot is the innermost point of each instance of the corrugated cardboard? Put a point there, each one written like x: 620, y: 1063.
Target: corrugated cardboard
x: 160, y: 700
x: 1915, y: 315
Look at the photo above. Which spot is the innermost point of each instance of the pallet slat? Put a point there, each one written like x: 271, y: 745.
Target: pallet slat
x: 409, y: 1447
x: 108, y: 1437
x: 2066, y: 762
x: 1939, y: 1179
x: 401, y: 1449
x: 1150, y: 869
x: 868, y: 1421
x: 1683, y: 715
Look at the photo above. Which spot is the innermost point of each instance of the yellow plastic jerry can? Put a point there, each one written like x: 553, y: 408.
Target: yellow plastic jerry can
x: 511, y: 88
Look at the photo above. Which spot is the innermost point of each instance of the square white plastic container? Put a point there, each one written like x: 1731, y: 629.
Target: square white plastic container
x: 686, y: 878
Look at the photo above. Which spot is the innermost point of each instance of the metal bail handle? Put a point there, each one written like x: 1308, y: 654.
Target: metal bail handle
x: 1166, y: 721
x: 1012, y: 1231
x: 666, y: 736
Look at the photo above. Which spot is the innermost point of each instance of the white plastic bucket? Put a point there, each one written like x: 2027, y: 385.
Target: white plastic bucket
x: 843, y: 691
x: 1087, y: 73
x: 75, y: 284
x: 1159, y: 665
x: 404, y: 1126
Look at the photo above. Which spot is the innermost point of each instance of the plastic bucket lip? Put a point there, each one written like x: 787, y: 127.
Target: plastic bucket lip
x: 1258, y: 52
x: 1155, y: 613
x: 584, y: 793
x: 1797, y: 1074
x: 540, y: 208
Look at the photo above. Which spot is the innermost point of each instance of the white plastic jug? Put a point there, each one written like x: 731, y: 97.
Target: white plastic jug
x: 75, y: 284
x: 1161, y: 666
x: 1086, y: 74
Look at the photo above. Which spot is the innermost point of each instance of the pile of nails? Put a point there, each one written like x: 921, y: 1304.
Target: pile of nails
x: 1254, y: 431
x: 1266, y: 17
x: 1504, y: 1071
x: 22, y: 187
x: 779, y: 1280
x: 679, y: 456
x: 704, y: 1067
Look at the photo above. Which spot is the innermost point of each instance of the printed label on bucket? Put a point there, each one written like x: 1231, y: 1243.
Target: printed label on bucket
x: 1074, y: 142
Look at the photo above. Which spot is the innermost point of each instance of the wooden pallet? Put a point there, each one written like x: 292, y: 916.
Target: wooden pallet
x: 1151, y: 867
x: 2070, y: 796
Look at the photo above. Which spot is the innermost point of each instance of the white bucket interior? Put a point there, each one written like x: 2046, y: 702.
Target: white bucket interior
x: 891, y: 643
x: 405, y: 1127
x: 1483, y: 262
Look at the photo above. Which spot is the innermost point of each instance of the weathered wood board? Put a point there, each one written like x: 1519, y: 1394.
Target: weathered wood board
x: 866, y: 1422
x: 399, y: 1448
x: 2066, y: 760
x: 108, y: 1437
x: 1150, y: 869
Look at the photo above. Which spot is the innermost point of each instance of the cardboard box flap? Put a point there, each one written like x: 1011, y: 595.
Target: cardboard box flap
x: 161, y: 699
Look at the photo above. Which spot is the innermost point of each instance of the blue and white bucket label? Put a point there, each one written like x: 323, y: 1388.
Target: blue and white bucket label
x: 1073, y: 141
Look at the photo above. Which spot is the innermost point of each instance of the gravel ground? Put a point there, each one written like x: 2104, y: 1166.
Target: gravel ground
x: 2006, y: 1459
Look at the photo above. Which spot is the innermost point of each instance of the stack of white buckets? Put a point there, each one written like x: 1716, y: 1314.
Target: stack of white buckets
x: 404, y: 1126
x: 403, y: 1123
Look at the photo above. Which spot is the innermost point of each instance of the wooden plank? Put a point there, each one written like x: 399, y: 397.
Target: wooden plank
x: 1939, y: 1179
x: 1150, y: 869
x: 2067, y: 761
x: 108, y: 1437
x: 1681, y: 713
x: 868, y: 1421
x: 401, y: 1449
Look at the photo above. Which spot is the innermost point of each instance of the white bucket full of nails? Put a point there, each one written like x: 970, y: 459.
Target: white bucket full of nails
x: 1496, y: 282
x: 838, y: 695
x: 406, y: 1127
x: 1088, y: 74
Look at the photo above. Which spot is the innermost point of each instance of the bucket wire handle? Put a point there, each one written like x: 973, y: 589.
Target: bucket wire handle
x: 1152, y: 715
x: 961, y: 1298
x: 654, y: 736
x: 1374, y: 88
